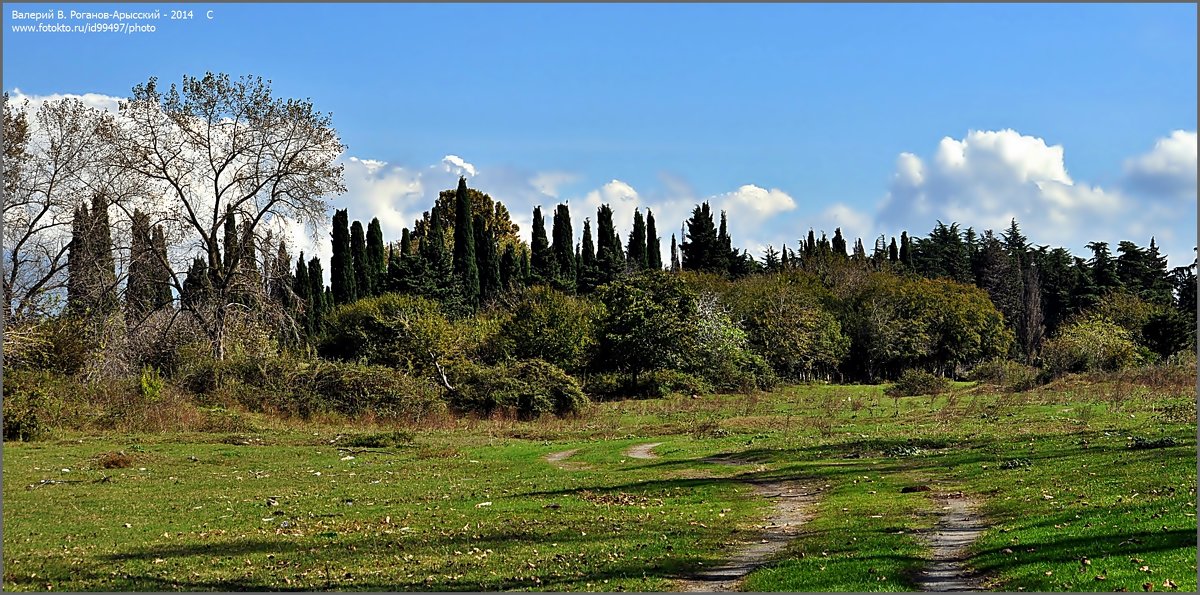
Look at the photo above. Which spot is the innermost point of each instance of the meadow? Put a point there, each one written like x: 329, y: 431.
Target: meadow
x: 1085, y: 484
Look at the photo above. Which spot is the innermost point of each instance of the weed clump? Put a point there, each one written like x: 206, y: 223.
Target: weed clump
x: 395, y: 439
x: 1015, y: 463
x: 114, y: 460
x: 917, y: 382
x: 1139, y: 442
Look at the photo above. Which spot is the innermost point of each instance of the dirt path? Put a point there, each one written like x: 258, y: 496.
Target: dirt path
x: 794, y: 503
x: 642, y: 451
x: 559, y: 459
x: 954, y: 532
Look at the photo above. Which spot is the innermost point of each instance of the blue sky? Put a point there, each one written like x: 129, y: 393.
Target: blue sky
x: 1079, y: 120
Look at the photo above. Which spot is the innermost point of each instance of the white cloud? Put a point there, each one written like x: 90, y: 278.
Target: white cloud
x: 756, y: 202
x: 107, y: 103
x: 988, y: 178
x: 456, y: 165
x: 1167, y: 170
x: 549, y: 183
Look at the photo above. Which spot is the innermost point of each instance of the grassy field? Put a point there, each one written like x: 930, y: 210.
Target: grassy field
x: 1070, y: 500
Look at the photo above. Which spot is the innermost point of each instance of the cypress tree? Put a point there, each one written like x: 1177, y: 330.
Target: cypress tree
x: 377, y: 258
x: 76, y: 257
x: 139, y: 287
x: 488, y: 261
x: 609, y: 258
x: 526, y: 271
x: 541, y: 260
x: 281, y: 278
x: 653, y: 251
x: 839, y: 243
x: 563, y: 249
x: 510, y: 268
x: 160, y: 273
x: 589, y: 274
x: 436, y: 278
x: 341, y: 272
x: 230, y: 244
x: 905, y: 249
x: 319, y: 299
x: 466, y: 267
x: 893, y: 252
x: 100, y: 240
x: 675, y: 265
x: 360, y: 262
x: 703, y: 249
x: 635, y: 250
x: 197, y: 285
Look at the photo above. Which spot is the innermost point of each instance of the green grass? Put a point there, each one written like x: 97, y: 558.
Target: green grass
x: 471, y: 505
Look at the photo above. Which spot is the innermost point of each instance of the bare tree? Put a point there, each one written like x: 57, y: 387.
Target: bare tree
x: 213, y: 148
x: 52, y: 165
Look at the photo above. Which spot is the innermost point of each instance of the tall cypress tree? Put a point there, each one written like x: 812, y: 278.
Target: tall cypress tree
x: 105, y: 281
x: 488, y: 260
x: 653, y: 250
x: 302, y: 287
x: 376, y: 257
x: 905, y: 250
x: 360, y: 262
x: 526, y: 269
x: 341, y: 263
x: 893, y: 252
x: 435, y: 277
x: 510, y: 268
x: 839, y: 243
x: 675, y: 264
x: 635, y: 250
x: 319, y: 299
x: 465, y: 266
x: 197, y: 285
x: 230, y: 244
x: 563, y: 249
x: 541, y: 260
x: 281, y: 278
x: 161, y: 274
x: 140, y: 285
x: 610, y: 258
x: 589, y: 273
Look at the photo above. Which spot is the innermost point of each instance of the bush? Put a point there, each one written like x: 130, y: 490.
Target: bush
x: 25, y: 399
x: 528, y: 389
x: 917, y: 382
x: 400, y: 331
x: 1089, y: 346
x: 549, y: 325
x: 1013, y: 376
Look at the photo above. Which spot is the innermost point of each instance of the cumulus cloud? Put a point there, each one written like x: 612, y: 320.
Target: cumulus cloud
x: 1169, y: 169
x: 107, y: 103
x: 549, y: 183
x: 755, y: 202
x: 988, y: 178
x: 456, y: 165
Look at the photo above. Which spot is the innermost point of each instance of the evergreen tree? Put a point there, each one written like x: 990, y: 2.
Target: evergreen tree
x: 771, y: 259
x: 435, y: 278
x: 230, y: 244
x: 563, y: 250
x: 1032, y: 328
x: 341, y: 272
x: 542, y: 262
x: 839, y: 243
x: 1103, y: 268
x: 809, y: 250
x: 281, y: 279
x: 905, y: 250
x: 635, y: 250
x: 197, y: 285
x: 466, y: 267
x: 675, y: 264
x: 653, y: 249
x: 510, y: 268
x: 140, y: 289
x: 893, y: 252
x: 1001, y: 279
x: 860, y: 253
x: 320, y: 299
x: 589, y: 273
x: 488, y: 260
x: 160, y: 272
x: 376, y: 257
x: 302, y: 287
x: 610, y: 259
x: 703, y: 250
x: 359, y: 261
x: 526, y: 270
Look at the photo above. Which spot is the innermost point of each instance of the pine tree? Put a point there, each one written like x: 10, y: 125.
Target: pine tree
x: 653, y: 250
x: 376, y: 257
x: 635, y: 250
x: 341, y: 263
x: 1103, y: 267
x: 563, y: 249
x: 541, y: 260
x: 359, y: 261
x: 465, y: 265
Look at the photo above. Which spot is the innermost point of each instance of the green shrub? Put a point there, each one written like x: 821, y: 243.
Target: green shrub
x: 550, y: 325
x: 528, y: 389
x: 656, y: 384
x: 151, y: 384
x: 395, y: 439
x: 396, y: 330
x: 1013, y: 376
x: 1089, y: 346
x: 917, y: 382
